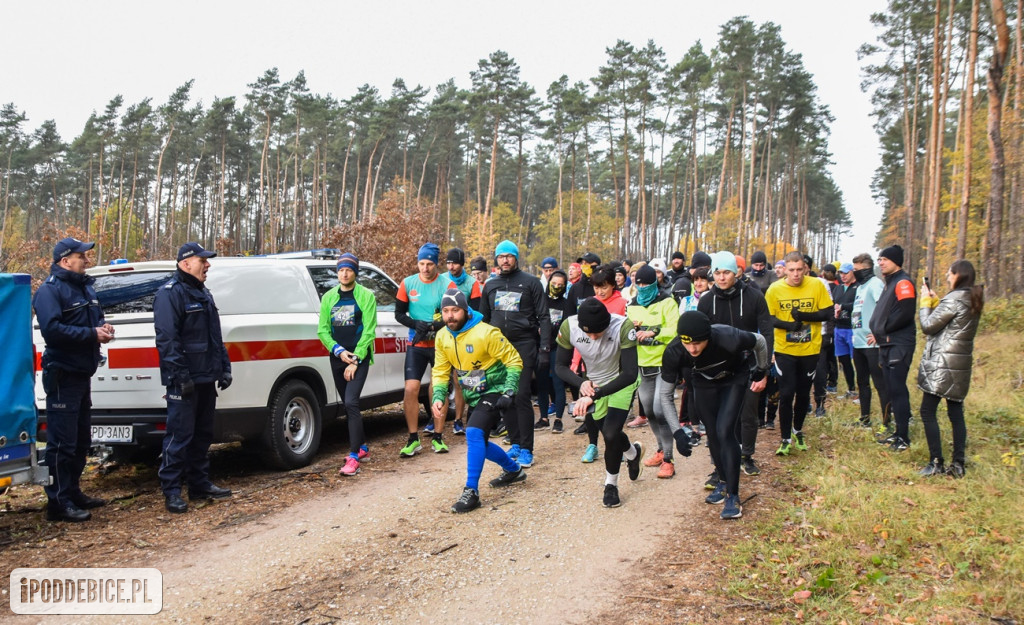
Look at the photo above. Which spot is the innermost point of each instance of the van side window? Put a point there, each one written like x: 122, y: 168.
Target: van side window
x: 123, y: 293
x: 383, y: 289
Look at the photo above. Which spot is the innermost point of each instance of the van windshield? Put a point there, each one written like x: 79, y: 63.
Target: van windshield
x: 123, y: 293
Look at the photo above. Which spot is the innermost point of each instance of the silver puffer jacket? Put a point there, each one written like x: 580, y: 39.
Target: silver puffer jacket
x: 946, y: 363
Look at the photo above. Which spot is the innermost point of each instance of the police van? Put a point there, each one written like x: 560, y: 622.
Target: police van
x: 283, y: 391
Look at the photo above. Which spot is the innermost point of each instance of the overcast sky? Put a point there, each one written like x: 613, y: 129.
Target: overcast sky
x: 64, y: 59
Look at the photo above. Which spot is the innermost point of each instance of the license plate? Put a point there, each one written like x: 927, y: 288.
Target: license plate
x: 111, y: 433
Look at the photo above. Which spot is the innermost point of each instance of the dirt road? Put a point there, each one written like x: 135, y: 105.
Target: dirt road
x: 309, y: 546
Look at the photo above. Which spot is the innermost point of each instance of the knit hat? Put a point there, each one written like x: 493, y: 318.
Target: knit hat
x: 780, y: 263
x: 454, y: 297
x: 457, y: 256
x: 348, y: 260
x: 679, y: 255
x: 549, y: 262
x: 809, y: 261
x: 645, y: 275
x: 693, y: 327
x: 741, y: 263
x: 430, y: 252
x: 700, y: 259
x: 478, y: 264
x: 658, y: 265
x: 725, y: 261
x: 506, y: 247
x: 758, y: 257
x: 592, y: 316
x: 894, y: 253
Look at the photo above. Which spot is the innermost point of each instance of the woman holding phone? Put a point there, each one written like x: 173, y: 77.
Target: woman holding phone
x: 945, y: 370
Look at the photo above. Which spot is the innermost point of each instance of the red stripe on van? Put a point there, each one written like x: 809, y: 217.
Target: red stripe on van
x: 133, y: 358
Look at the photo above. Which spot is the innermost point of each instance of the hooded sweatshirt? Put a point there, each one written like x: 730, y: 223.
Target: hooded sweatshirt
x: 742, y: 306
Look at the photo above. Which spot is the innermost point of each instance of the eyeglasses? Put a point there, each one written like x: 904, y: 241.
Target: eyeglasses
x: 506, y: 256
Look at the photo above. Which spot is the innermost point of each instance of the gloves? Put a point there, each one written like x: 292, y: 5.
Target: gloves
x: 682, y: 442
x: 225, y: 381
x: 796, y: 314
x: 543, y: 361
x: 504, y: 402
x: 756, y: 375
x: 792, y: 326
x: 929, y: 302
x: 187, y: 387
x: 338, y: 350
x: 422, y: 330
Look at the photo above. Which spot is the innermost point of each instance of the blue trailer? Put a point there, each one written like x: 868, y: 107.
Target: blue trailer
x: 19, y: 459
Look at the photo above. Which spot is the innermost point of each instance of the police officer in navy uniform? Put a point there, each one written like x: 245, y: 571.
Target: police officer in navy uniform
x: 192, y: 361
x: 71, y: 322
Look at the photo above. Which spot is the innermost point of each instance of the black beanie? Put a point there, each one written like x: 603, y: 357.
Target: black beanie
x: 478, y: 264
x: 679, y: 255
x: 693, y: 326
x: 809, y: 261
x: 700, y: 259
x: 758, y: 257
x: 645, y: 275
x: 455, y: 255
x: 592, y: 316
x: 893, y: 253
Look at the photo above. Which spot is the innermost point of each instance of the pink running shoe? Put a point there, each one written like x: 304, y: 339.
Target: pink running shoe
x: 638, y: 422
x: 363, y: 454
x: 351, y: 467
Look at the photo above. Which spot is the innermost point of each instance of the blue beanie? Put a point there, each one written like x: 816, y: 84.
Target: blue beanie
x: 348, y: 260
x: 507, y: 247
x: 726, y: 261
x: 430, y: 252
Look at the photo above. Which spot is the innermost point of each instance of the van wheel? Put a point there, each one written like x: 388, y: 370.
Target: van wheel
x: 293, y: 435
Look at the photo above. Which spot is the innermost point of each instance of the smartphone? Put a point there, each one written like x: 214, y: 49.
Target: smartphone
x: 926, y: 283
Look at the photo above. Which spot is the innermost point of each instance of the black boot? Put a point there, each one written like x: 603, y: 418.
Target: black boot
x: 935, y: 467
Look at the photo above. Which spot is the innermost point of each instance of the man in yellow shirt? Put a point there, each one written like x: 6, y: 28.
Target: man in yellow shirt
x: 797, y: 305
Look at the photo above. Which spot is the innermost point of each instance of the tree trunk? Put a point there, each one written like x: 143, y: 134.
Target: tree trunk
x: 965, y: 194
x: 994, y: 218
x: 721, y: 179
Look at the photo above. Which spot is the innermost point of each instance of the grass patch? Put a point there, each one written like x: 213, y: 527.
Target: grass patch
x: 857, y: 536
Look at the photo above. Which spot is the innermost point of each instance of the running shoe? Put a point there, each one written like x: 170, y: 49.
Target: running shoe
x: 525, y: 458
x: 551, y: 409
x: 439, y: 446
x: 819, y: 412
x: 542, y: 424
x: 351, y: 467
x: 666, y: 470
x: 611, y: 496
x: 770, y: 424
x: 469, y: 501
x: 856, y: 401
x: 956, y: 470
x: 732, y: 508
x: 363, y: 453
x: 499, y: 430
x: 694, y: 438
x: 799, y: 441
x: 935, y: 467
x: 590, y: 454
x: 831, y: 389
x: 749, y: 467
x: 783, y: 449
x: 507, y: 440
x: 429, y: 428
x: 411, y: 449
x: 636, y: 465
x: 898, y: 444
x: 458, y: 429
x: 638, y: 422
x: 556, y: 427
x: 717, y: 495
x: 582, y: 429
x: 513, y: 452
x: 508, y: 477
x: 655, y: 460
x: 712, y: 481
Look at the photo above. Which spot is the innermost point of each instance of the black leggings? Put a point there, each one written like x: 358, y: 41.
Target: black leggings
x: 847, y: 366
x: 795, y: 375
x: 865, y: 359
x: 719, y: 409
x: 955, y: 410
x: 615, y: 440
x: 350, y: 393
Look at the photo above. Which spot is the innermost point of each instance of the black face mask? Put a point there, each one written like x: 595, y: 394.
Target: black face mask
x: 863, y: 275
x: 759, y: 272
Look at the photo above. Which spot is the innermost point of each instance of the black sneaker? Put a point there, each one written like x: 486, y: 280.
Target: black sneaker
x: 499, y: 430
x: 611, y: 496
x: 732, y: 508
x: 769, y: 425
x: 582, y: 429
x: 712, y: 482
x: 542, y: 424
x: 636, y: 466
x: 508, y: 477
x: 747, y: 463
x: 819, y: 412
x: 898, y: 444
x: 935, y: 467
x: 956, y: 470
x: 469, y: 501
x: 556, y: 427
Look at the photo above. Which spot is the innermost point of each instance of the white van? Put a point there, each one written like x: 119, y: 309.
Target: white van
x: 282, y: 392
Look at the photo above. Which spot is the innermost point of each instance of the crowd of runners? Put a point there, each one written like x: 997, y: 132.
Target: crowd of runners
x: 712, y: 351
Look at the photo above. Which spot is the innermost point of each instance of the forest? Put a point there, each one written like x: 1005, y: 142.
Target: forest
x: 946, y: 79
x: 726, y: 147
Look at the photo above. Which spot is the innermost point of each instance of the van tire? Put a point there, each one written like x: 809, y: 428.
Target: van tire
x: 293, y: 433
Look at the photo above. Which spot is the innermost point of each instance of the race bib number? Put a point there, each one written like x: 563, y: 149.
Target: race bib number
x: 474, y: 380
x: 556, y: 316
x: 507, y: 301
x: 343, y: 316
x: 856, y: 321
x: 800, y: 336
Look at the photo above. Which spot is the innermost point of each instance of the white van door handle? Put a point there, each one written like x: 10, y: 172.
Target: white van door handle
x: 388, y: 333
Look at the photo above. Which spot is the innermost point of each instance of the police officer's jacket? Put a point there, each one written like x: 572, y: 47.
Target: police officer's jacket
x: 188, y: 336
x: 68, y: 313
x: 515, y: 304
